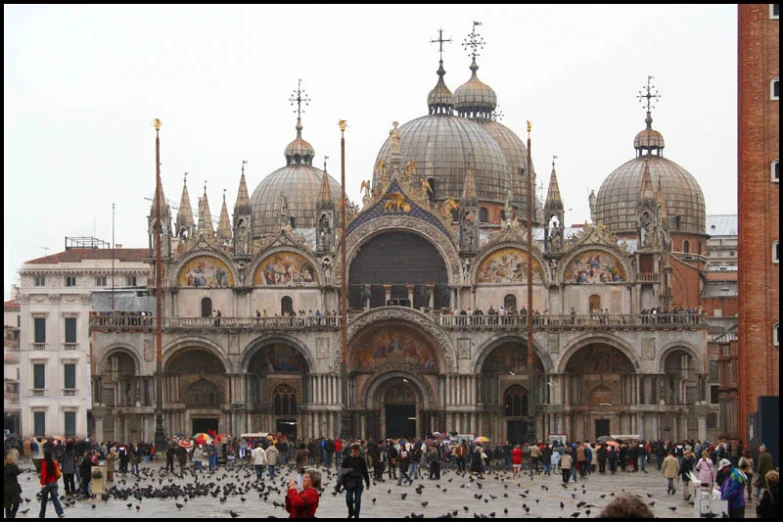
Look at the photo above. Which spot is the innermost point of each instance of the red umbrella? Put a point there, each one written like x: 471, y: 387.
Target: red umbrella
x: 185, y: 444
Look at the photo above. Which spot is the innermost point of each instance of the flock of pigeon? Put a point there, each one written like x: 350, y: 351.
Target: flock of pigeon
x: 235, y: 491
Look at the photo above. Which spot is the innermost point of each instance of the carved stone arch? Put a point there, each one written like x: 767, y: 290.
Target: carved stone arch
x: 200, y: 252
x: 264, y: 254
x: 676, y: 345
x: 258, y: 343
x: 503, y: 337
x: 414, y: 319
x: 368, y: 391
x: 375, y: 227
x: 491, y: 249
x: 117, y: 348
x: 176, y: 346
x: 591, y: 338
x: 615, y: 252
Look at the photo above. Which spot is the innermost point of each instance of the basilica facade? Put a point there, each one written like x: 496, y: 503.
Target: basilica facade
x: 437, y: 264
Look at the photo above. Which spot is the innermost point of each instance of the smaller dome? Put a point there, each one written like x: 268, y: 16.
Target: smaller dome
x: 299, y: 151
x: 474, y: 98
x: 440, y: 100
x: 649, y: 139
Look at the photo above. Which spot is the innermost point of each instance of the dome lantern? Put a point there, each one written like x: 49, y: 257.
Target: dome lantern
x: 440, y: 100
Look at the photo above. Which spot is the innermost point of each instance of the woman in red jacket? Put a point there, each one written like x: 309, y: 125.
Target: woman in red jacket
x: 49, y: 477
x: 516, y: 459
x: 303, y: 504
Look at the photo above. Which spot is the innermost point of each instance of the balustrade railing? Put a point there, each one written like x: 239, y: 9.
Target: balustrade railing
x: 146, y: 322
x: 547, y: 322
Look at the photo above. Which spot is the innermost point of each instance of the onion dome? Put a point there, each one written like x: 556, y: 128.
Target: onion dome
x: 474, y: 98
x: 299, y: 151
x: 440, y: 100
x: 621, y: 192
x: 649, y: 139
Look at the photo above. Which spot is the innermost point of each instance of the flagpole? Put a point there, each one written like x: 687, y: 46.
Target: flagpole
x: 344, y: 421
x: 160, y: 433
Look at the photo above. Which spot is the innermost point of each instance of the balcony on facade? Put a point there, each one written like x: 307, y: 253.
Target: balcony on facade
x: 146, y: 323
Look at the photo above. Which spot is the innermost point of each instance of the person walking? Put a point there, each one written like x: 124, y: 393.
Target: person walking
x: 770, y: 498
x: 403, y: 460
x: 272, y: 459
x: 198, y: 457
x: 68, y: 468
x: 732, y: 488
x: 111, y: 459
x: 765, y: 466
x: 516, y: 459
x: 685, y: 474
x: 50, y: 474
x: 705, y: 470
x: 182, y: 459
x: 259, y: 461
x: 460, y: 452
x: 745, y: 465
x: 171, y: 450
x: 535, y: 458
x: 566, y: 462
x: 356, y: 478
x: 670, y: 470
x: 11, y: 488
x: 303, y: 504
x: 546, y: 459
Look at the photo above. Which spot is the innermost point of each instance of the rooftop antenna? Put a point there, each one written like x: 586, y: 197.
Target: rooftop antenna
x: 45, y: 249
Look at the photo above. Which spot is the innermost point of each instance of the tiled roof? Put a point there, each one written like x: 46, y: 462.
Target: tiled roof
x: 722, y: 225
x: 723, y: 289
x: 77, y: 255
x: 11, y: 305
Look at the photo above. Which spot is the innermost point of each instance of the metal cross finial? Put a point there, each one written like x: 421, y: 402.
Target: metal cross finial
x: 497, y: 114
x: 224, y: 195
x: 650, y: 94
x: 185, y: 182
x: 244, y: 162
x: 298, y: 98
x: 554, y: 157
x: 440, y: 41
x: 325, y: 158
x: 205, y: 186
x: 474, y: 42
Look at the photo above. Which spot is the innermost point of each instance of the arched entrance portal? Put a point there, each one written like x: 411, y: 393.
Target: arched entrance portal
x: 195, y: 381
x: 121, y: 390
x: 276, y: 383
x: 399, y: 406
x: 600, y: 384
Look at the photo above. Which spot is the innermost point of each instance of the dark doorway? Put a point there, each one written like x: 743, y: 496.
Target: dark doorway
x: 206, y: 307
x: 400, y: 420
x: 516, y: 431
x: 287, y: 427
x: 286, y: 306
x: 205, y: 425
x: 601, y: 428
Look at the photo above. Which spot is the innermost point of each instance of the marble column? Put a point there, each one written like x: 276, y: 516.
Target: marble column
x: 410, y: 288
x: 431, y: 292
x: 387, y: 291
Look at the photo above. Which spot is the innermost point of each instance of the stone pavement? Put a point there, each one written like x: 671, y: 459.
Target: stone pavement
x: 499, y: 491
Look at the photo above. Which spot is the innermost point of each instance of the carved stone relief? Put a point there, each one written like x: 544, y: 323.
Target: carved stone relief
x: 648, y: 348
x: 463, y: 348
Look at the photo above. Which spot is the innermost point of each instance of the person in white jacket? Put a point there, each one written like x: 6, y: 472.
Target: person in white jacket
x: 272, y: 459
x: 259, y: 460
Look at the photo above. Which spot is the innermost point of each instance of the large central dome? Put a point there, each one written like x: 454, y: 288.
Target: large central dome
x: 441, y: 146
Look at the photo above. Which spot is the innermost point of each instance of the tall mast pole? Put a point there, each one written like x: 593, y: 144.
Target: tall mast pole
x: 344, y: 421
x: 112, y: 257
x: 160, y: 434
x: 529, y: 317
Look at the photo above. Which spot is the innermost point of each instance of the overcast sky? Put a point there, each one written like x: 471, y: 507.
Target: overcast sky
x: 82, y: 85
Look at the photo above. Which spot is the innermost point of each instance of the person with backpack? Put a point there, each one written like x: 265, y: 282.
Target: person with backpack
x: 11, y: 488
x: 392, y: 455
x: 403, y: 461
x: 770, y: 498
x: 85, y: 473
x: 50, y: 475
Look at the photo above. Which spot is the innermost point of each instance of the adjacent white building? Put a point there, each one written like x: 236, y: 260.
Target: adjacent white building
x: 11, y: 372
x: 54, y: 340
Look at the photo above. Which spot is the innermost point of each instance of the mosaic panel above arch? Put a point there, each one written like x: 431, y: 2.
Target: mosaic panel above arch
x: 595, y: 266
x: 285, y: 268
x: 510, y: 357
x: 393, y: 346
x: 508, y: 265
x: 278, y: 358
x: 595, y: 359
x: 205, y: 272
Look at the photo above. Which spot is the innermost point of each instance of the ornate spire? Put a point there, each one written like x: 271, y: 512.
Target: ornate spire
x: 242, y: 205
x: 224, y: 225
x: 204, y: 215
x: 185, y: 213
x: 646, y: 194
x: 649, y: 139
x: 440, y: 100
x: 299, y: 151
x: 396, y: 146
x: 553, y: 201
x: 663, y: 215
x: 469, y: 189
x: 325, y: 194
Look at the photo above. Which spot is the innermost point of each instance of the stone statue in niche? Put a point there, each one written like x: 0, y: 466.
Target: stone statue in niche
x: 326, y: 266
x: 366, y: 296
x: 466, y: 270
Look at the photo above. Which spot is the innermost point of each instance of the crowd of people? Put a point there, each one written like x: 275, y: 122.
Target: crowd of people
x: 362, y: 463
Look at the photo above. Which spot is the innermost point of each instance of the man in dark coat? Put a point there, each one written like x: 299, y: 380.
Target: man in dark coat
x: 355, y: 480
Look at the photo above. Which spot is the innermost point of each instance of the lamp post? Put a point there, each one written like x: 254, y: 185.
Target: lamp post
x: 344, y: 421
x: 160, y: 434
